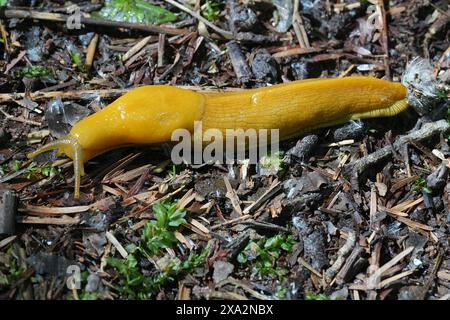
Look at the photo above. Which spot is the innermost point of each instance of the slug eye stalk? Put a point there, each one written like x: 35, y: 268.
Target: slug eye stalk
x: 70, y: 146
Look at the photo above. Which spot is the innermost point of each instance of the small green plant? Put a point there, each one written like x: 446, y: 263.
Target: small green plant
x: 3, y: 169
x: 90, y: 296
x: 442, y: 94
x: 76, y: 58
x: 173, y: 172
x: 211, y: 10
x: 312, y: 296
x: 35, y: 72
x: 15, y: 165
x: 3, y: 3
x: 265, y: 253
x: 133, y: 284
x: 16, y: 263
x: 281, y: 293
x: 135, y: 11
x: 421, y: 185
x: 158, y: 234
x: 33, y: 172
x: 272, y: 163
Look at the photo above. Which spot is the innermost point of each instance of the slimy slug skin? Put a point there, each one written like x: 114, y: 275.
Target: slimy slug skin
x: 149, y: 114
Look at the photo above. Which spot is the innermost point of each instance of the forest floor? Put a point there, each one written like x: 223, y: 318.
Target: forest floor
x: 359, y: 211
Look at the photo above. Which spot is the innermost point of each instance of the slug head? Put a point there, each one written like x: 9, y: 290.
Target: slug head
x: 69, y: 146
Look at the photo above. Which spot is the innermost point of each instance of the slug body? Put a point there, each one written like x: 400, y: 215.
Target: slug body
x: 149, y: 114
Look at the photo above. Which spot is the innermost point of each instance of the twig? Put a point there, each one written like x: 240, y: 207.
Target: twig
x: 264, y: 225
x: 136, y: 48
x: 239, y: 219
x: 15, y: 61
x: 432, y: 276
x: 397, y: 277
x: 38, y: 15
x: 56, y: 221
x: 308, y: 266
x: 4, y: 36
x: 364, y: 164
x: 111, y: 238
x: 55, y: 211
x: 342, y: 253
x: 374, y: 281
x: 8, y: 211
x: 20, y: 119
x: 91, y: 52
x: 240, y: 284
x: 299, y: 28
x: 224, y: 33
x: 274, y: 188
x: 161, y: 49
x: 385, y: 38
x: 231, y: 194
x: 239, y: 63
x: 295, y: 51
x: 345, y: 272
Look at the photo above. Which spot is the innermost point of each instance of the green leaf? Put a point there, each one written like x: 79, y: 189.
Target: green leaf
x: 3, y: 3
x: 76, y: 58
x: 89, y: 296
x: 242, y: 258
x: 211, y: 10
x: 3, y: 169
x: 427, y: 190
x: 266, y: 253
x: 135, y: 11
x: 16, y: 165
x: 312, y: 296
x: 35, y: 72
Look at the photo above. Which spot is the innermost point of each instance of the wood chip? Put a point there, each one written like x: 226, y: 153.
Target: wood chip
x: 111, y: 238
x: 373, y: 282
x: 184, y: 293
x: 309, y: 267
x: 407, y: 204
x: 130, y: 175
x: 7, y: 241
x: 444, y: 275
x: 139, y: 225
x: 55, y: 211
x: 395, y: 278
x: 411, y: 223
x: 180, y: 237
x: 340, y: 143
x: 113, y: 191
x: 64, y: 220
x: 393, y: 212
x: 231, y: 194
x: 188, y: 197
x: 274, y: 188
x: 402, y: 183
x: 136, y: 48
x: 199, y: 226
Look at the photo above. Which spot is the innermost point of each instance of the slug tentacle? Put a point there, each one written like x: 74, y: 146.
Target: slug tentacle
x: 70, y: 146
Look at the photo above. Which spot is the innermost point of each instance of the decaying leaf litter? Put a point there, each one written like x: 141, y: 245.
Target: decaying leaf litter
x: 359, y: 211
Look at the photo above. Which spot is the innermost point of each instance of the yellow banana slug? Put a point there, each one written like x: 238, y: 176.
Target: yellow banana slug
x: 149, y: 114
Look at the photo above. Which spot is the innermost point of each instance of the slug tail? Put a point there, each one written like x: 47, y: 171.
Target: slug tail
x: 70, y: 146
